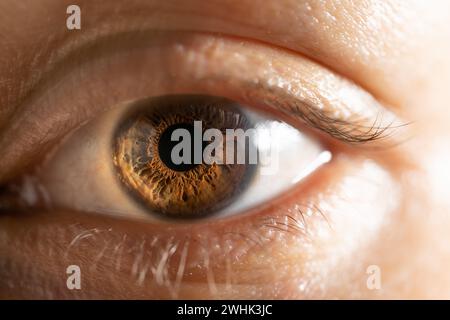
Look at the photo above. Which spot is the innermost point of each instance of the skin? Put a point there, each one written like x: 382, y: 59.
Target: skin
x: 396, y: 51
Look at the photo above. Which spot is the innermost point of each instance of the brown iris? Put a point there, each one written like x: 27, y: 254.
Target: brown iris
x: 142, y: 155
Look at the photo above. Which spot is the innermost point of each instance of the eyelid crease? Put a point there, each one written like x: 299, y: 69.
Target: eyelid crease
x: 194, y: 62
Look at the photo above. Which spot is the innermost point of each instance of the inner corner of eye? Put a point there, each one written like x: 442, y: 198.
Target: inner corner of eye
x: 193, y: 156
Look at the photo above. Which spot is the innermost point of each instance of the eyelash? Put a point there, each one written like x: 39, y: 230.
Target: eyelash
x: 354, y: 132
x: 172, y: 256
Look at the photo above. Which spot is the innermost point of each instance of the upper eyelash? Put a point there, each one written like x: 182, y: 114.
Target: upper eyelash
x: 356, y: 131
x: 353, y: 132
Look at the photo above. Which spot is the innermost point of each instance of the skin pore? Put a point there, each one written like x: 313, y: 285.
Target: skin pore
x: 379, y: 205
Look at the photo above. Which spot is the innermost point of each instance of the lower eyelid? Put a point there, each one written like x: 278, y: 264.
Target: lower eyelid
x: 295, y: 239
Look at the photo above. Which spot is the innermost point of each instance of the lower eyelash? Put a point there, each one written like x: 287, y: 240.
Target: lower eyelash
x: 294, y: 222
x: 169, y: 261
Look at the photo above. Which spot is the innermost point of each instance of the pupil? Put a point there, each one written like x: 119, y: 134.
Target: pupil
x: 165, y: 147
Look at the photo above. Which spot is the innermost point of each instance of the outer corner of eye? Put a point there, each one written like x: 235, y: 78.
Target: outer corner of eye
x: 179, y: 157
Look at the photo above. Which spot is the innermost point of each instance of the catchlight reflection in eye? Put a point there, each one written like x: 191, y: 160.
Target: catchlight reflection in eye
x: 120, y: 163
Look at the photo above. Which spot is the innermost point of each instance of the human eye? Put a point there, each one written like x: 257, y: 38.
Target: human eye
x: 123, y: 162
x: 88, y: 160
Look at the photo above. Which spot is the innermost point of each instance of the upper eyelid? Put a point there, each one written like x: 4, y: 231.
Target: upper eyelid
x: 301, y: 91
